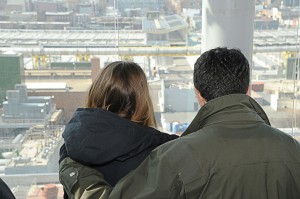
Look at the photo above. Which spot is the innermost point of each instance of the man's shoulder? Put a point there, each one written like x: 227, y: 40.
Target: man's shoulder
x: 280, y: 136
x: 214, y: 135
x: 188, y: 146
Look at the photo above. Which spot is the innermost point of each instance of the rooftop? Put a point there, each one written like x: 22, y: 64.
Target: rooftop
x: 76, y: 37
x: 164, y: 24
x: 80, y: 85
x: 47, y: 86
x: 37, y: 147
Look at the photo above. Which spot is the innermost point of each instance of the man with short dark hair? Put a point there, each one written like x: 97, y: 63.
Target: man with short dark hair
x: 221, y: 72
x: 228, y: 151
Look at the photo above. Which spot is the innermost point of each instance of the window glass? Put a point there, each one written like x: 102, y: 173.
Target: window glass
x: 52, y: 50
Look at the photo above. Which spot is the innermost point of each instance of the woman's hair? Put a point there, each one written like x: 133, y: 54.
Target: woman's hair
x: 122, y: 88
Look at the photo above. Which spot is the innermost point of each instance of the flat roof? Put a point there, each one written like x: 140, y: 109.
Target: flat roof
x: 46, y: 86
x: 72, y: 37
x: 74, y: 85
x: 32, y: 105
x: 38, y: 97
x: 37, y: 151
x: 164, y: 23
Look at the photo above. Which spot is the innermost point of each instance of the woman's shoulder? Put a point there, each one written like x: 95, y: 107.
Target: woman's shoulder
x: 96, y: 134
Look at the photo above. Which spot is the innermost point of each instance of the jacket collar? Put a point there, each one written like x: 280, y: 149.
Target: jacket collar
x: 211, y: 108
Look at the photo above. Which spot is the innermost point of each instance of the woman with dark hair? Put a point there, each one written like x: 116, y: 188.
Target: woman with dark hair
x: 115, y: 133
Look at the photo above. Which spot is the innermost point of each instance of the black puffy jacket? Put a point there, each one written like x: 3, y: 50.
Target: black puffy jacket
x: 111, y: 144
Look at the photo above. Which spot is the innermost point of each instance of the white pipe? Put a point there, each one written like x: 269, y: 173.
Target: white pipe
x: 228, y: 23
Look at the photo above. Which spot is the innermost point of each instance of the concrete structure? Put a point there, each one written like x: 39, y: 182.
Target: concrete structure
x: 19, y: 108
x: 47, y: 6
x: 266, y: 23
x: 82, y: 20
x: 291, y: 3
x: 72, y: 4
x: 191, y: 3
x: 289, y: 13
x: 35, y: 150
x: 34, y: 25
x: 176, y: 122
x: 292, y: 67
x: 108, y: 22
x: 174, y: 6
x: 68, y: 101
x: 95, y: 66
x: 284, y: 95
x: 39, y: 152
x: 2, y: 5
x: 15, y: 5
x: 102, y: 4
x: 86, y: 8
x: 177, y: 97
x: 24, y: 17
x: 165, y: 30
x: 28, y: 180
x: 223, y: 24
x: 131, y: 43
x: 67, y: 17
x: 11, y: 72
x: 145, y: 5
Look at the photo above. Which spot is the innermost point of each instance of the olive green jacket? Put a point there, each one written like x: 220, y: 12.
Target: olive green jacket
x: 229, y: 151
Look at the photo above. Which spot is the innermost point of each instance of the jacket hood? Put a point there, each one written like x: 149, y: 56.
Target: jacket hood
x: 95, y: 136
x: 214, y: 106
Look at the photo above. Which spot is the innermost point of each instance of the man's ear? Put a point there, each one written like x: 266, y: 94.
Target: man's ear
x: 199, y: 97
x: 248, y: 91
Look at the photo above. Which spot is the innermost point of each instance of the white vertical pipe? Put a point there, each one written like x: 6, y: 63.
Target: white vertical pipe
x: 228, y: 23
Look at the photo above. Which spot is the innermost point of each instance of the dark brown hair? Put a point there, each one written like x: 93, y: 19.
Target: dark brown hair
x: 122, y: 88
x: 221, y: 71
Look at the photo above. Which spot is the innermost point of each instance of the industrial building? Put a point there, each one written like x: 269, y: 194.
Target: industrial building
x: 11, y: 72
x: 58, y: 81
x: 167, y: 39
x: 178, y: 105
x: 178, y: 97
x: 144, y: 5
x: 30, y: 129
x: 165, y: 30
x: 39, y: 151
x: 21, y: 108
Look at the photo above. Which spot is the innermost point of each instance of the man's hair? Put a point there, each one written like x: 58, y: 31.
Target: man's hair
x: 221, y: 71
